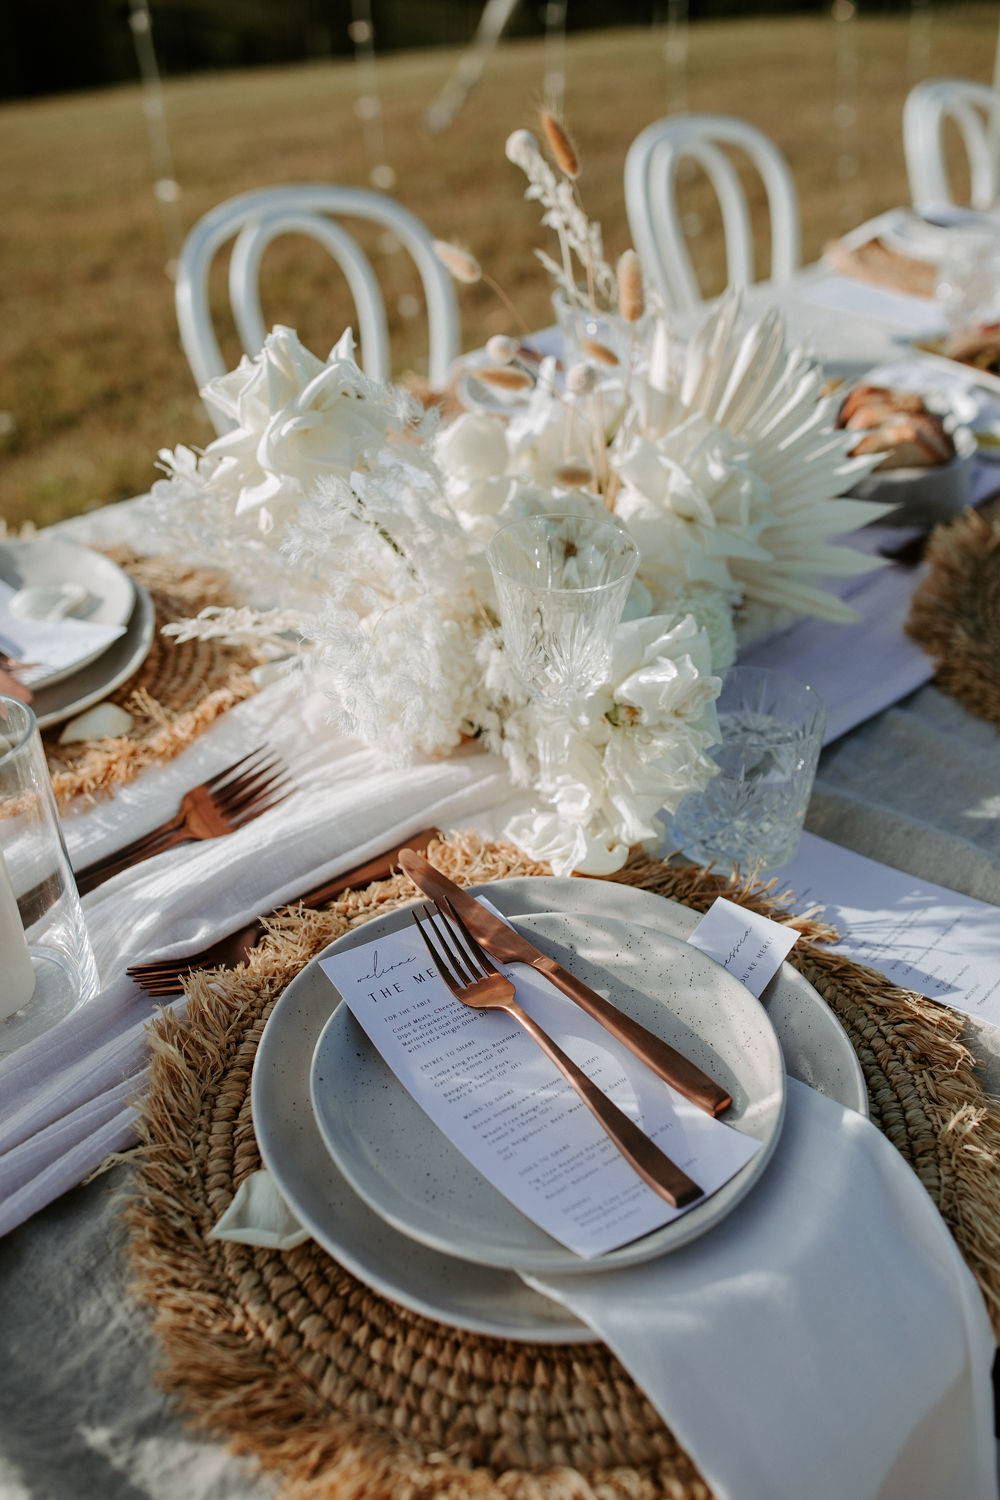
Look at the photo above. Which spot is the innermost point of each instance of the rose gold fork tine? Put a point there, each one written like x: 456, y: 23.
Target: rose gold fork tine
x: 235, y: 788
x: 249, y: 814
x: 255, y: 787
x: 220, y: 776
x: 480, y: 959
x: 436, y: 958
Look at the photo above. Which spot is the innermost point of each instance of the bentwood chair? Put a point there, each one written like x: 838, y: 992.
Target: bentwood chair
x: 651, y: 169
x: 253, y: 220
x: 975, y: 109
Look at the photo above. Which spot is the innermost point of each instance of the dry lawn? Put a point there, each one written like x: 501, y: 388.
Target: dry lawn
x: 93, y: 378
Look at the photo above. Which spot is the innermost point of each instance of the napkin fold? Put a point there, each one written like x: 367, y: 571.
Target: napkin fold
x: 259, y: 1215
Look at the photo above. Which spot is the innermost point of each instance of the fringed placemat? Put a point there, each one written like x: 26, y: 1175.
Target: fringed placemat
x: 289, y: 1358
x: 180, y: 689
x: 955, y: 612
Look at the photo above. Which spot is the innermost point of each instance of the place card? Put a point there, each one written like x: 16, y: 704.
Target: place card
x: 491, y: 1090
x: 919, y: 935
x: 750, y: 946
x: 49, y: 645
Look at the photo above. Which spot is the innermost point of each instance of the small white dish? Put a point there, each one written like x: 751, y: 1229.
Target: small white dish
x: 42, y: 565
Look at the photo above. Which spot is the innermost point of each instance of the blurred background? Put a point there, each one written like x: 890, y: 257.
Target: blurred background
x: 123, y: 121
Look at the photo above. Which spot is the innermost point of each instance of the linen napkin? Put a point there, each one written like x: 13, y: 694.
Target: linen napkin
x: 65, y: 1099
x: 827, y: 1339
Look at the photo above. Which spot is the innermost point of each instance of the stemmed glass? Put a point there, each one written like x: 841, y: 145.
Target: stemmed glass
x: 561, y: 582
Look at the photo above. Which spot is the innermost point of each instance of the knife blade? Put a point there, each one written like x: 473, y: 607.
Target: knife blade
x: 508, y: 946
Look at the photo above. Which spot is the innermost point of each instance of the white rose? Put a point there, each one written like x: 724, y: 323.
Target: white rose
x: 474, y: 446
x: 298, y: 418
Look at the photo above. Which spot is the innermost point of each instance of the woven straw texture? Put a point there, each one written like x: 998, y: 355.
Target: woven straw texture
x: 179, y: 690
x: 348, y: 1397
x: 955, y: 614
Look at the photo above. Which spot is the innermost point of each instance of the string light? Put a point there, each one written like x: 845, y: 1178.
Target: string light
x: 166, y: 188
x: 920, y: 39
x: 469, y: 69
x: 554, y: 59
x: 368, y: 104
x: 845, y: 108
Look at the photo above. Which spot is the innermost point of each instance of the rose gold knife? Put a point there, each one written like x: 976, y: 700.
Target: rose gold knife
x: 503, y: 943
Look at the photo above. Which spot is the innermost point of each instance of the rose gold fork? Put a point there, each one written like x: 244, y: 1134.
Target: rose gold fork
x: 216, y: 807
x: 473, y: 978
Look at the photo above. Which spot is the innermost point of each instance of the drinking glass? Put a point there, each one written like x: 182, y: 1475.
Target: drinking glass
x: 578, y: 324
x: 750, y: 815
x: 968, y: 280
x: 47, y: 965
x: 561, y: 582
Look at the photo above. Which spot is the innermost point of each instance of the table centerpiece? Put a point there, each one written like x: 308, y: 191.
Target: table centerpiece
x: 363, y: 519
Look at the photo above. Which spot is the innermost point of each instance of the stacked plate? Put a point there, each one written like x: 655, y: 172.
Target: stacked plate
x: 93, y: 589
x: 380, y: 1188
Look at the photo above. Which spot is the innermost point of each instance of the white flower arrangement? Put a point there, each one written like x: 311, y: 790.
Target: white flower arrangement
x: 357, y: 526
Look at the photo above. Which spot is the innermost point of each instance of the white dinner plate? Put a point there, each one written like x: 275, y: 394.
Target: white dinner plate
x: 406, y: 1168
x: 47, y: 561
x: 90, y: 685
x: 480, y: 1299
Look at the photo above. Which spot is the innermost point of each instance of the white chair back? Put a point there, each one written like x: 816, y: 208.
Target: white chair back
x: 975, y: 109
x: 257, y: 218
x: 650, y: 197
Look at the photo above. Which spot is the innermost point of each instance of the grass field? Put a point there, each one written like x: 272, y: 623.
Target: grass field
x: 93, y: 380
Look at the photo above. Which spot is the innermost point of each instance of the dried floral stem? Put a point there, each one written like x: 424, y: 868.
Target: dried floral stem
x: 495, y: 286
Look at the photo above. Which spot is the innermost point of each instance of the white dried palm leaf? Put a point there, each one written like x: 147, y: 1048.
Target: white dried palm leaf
x: 744, y: 379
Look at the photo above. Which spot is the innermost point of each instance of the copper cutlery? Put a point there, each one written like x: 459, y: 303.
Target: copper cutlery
x: 221, y: 805
x: 475, y: 980
x: 508, y: 946
x: 167, y: 977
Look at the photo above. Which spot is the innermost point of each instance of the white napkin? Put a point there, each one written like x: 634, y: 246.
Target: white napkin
x: 259, y: 1215
x: 49, y: 645
x: 826, y: 1340
x: 64, y: 1100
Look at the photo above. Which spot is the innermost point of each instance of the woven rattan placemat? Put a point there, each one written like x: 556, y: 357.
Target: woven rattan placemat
x: 180, y: 689
x: 289, y: 1358
x: 955, y: 613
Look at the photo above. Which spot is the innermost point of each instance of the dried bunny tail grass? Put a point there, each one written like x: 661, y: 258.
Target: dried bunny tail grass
x: 460, y: 263
x: 505, y: 377
x: 596, y: 350
x: 575, y: 476
x: 631, y: 296
x: 502, y: 349
x: 581, y: 379
x: 562, y: 148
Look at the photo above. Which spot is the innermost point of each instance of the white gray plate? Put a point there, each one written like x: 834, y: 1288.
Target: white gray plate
x: 89, y: 685
x: 52, y: 560
x: 404, y: 1167
x: 452, y: 1291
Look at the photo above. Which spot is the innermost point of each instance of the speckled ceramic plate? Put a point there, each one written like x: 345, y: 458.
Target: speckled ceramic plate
x: 410, y: 1173
x: 459, y: 1293
x: 90, y: 685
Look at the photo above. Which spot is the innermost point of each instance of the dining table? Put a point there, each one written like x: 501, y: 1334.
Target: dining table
x: 908, y: 777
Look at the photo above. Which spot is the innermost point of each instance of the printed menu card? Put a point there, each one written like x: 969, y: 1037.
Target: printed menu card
x: 491, y: 1090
